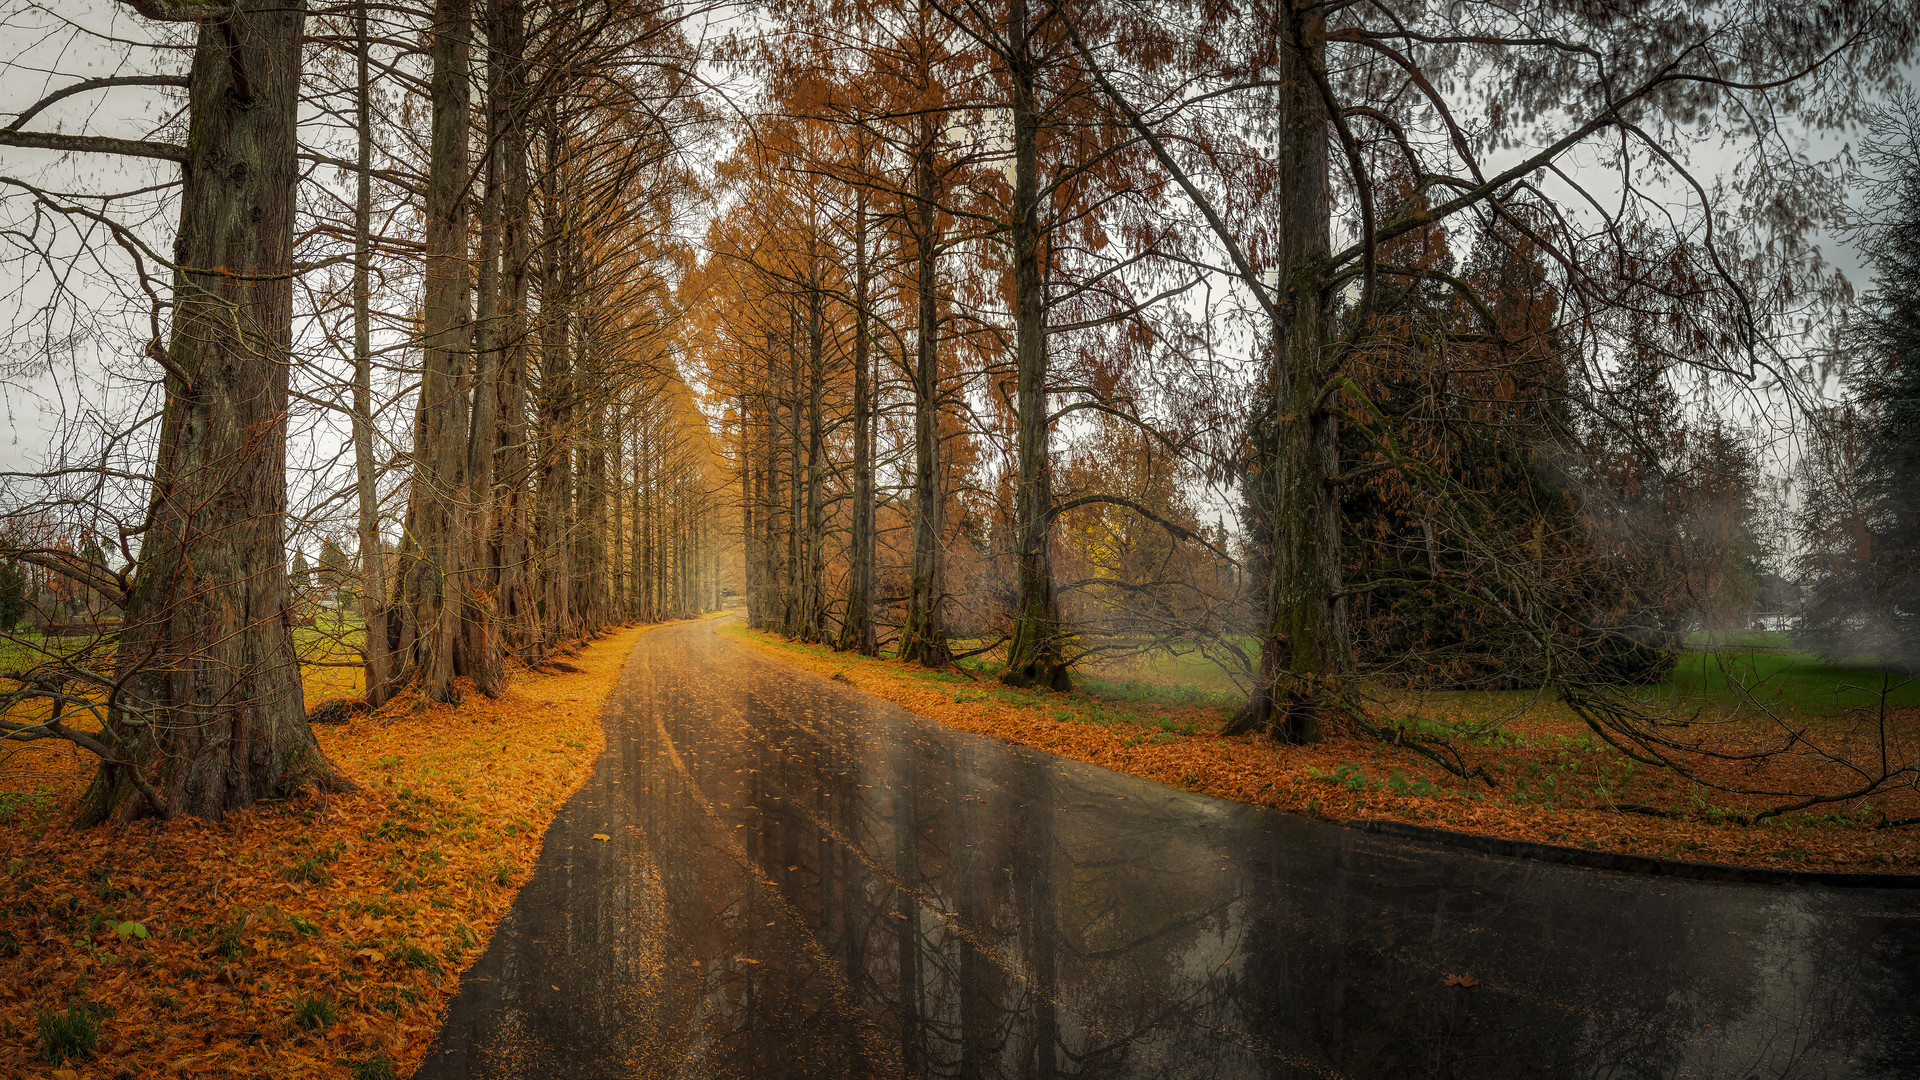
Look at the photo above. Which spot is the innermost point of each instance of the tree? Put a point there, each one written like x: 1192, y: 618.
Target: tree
x: 334, y: 576
x: 1338, y: 103
x: 13, y: 595
x: 1861, y: 476
x: 204, y: 713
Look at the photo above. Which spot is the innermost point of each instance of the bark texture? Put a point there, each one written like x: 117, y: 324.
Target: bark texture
x: 856, y: 624
x: 373, y: 562
x: 1034, y: 654
x: 1305, y: 657
x: 434, y: 553
x: 924, y: 636
x: 206, y: 649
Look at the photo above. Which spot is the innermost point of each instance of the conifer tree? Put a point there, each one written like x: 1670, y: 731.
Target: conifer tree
x: 1864, y: 528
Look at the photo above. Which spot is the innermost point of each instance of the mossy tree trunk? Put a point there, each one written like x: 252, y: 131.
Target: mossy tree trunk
x: 1034, y: 655
x: 1305, y: 656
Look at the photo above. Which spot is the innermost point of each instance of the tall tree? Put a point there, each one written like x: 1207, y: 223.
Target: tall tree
x: 1861, y: 517
x: 1335, y: 103
x: 434, y: 551
x: 206, y: 714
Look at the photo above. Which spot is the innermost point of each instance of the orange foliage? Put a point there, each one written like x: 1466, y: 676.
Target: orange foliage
x: 1299, y: 779
x: 374, y: 902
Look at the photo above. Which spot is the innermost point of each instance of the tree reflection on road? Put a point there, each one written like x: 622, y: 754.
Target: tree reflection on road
x: 806, y: 882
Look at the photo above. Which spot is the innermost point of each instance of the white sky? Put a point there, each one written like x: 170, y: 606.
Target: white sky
x: 46, y: 53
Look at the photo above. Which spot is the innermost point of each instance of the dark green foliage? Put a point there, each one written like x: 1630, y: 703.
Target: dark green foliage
x: 312, y: 1012
x: 335, y: 576
x: 13, y: 596
x: 1862, y: 474
x: 68, y: 1036
x: 374, y: 1068
x: 1488, y: 422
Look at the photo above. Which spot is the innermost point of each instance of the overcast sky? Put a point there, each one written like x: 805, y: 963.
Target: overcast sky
x: 47, y: 53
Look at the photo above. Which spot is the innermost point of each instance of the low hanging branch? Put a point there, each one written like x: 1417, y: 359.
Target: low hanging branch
x: 1179, y: 531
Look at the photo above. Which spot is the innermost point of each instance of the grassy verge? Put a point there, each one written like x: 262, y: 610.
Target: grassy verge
x: 1553, y: 781
x: 1784, y: 679
x: 306, y: 938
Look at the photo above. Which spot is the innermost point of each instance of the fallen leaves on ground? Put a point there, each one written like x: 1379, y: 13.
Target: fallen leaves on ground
x: 298, y: 939
x: 1556, y: 784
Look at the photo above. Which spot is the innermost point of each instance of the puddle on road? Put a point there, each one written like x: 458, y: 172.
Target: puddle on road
x: 803, y: 882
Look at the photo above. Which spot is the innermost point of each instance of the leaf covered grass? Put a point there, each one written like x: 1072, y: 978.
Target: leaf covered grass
x: 1553, y: 781
x: 304, y: 938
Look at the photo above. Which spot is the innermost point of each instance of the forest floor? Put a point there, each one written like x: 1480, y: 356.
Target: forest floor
x: 312, y: 937
x: 1553, y: 780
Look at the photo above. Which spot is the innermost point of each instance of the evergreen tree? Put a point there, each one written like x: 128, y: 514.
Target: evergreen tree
x: 336, y: 578
x: 1865, y: 595
x: 13, y: 596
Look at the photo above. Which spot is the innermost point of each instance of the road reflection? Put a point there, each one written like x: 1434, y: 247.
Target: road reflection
x: 804, y: 882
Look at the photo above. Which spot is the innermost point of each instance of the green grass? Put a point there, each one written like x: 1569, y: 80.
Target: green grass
x: 24, y: 804
x: 1796, y: 681
x: 70, y: 1035
x: 1143, y: 692
x: 1742, y: 663
x: 346, y: 627
x: 1738, y: 639
x: 308, y: 871
x: 415, y: 957
x: 1095, y: 701
x: 313, y: 1013
x: 24, y: 649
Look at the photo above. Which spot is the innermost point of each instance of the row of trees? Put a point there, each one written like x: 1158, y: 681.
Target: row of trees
x: 999, y: 305
x: 440, y: 240
x: 1004, y: 297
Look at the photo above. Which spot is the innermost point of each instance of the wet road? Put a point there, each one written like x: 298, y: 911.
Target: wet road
x: 801, y: 881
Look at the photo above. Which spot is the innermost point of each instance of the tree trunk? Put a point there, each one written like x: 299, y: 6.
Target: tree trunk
x: 924, y: 637
x: 772, y: 569
x: 814, y: 622
x: 373, y: 562
x: 206, y: 650
x: 856, y: 625
x: 508, y: 117
x: 436, y: 542
x: 555, y: 524
x: 794, y: 612
x: 1305, y: 655
x: 592, y: 578
x: 1034, y: 655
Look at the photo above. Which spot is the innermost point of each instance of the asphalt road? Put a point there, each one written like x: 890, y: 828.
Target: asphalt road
x: 801, y: 881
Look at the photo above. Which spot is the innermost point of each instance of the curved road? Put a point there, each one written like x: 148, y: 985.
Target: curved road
x: 803, y: 881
